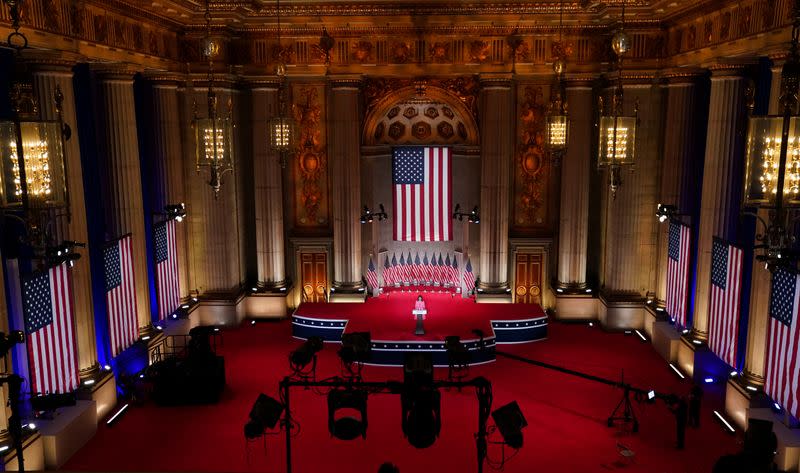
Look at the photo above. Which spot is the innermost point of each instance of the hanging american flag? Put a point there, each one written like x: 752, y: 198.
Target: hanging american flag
x: 469, y: 277
x: 50, y: 332
x: 123, y: 324
x: 168, y: 289
x: 372, y: 276
x: 726, y: 293
x: 783, y: 340
x: 677, y: 272
x: 421, y: 193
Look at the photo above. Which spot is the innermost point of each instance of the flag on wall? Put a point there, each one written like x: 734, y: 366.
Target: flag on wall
x: 783, y: 339
x: 372, y: 276
x: 726, y: 293
x: 677, y: 272
x: 167, y: 287
x: 469, y: 277
x: 50, y: 331
x: 123, y: 323
x: 421, y: 193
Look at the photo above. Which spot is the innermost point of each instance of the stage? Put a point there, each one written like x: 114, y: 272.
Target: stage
x: 391, y: 325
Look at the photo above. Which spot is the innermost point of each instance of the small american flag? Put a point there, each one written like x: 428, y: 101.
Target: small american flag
x: 403, y: 269
x: 387, y: 272
x: 421, y: 193
x: 443, y: 271
x: 435, y: 270
x: 120, y: 294
x: 677, y: 272
x: 168, y: 289
x: 427, y: 270
x: 783, y: 340
x: 455, y: 271
x: 372, y: 276
x: 395, y: 272
x: 49, y: 326
x: 726, y: 293
x: 419, y: 271
x: 469, y: 277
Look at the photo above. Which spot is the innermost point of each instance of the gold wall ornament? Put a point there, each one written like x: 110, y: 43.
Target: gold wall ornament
x: 310, y: 174
x: 479, y: 51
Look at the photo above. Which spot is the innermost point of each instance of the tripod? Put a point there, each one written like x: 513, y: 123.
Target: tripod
x: 624, y: 411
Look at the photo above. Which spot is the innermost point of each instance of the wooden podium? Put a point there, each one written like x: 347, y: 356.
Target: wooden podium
x: 420, y: 314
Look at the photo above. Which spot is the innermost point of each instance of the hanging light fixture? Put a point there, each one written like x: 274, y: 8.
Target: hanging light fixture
x: 33, y: 180
x: 557, y: 117
x: 772, y: 176
x: 213, y: 134
x: 283, y: 131
x: 617, y: 140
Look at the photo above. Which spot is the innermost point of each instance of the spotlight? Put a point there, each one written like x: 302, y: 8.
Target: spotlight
x: 559, y: 290
x: 265, y: 414
x: 420, y: 402
x: 356, y: 347
x: 666, y: 212
x: 651, y: 395
x: 176, y: 211
x: 107, y: 367
x: 116, y: 415
x: 347, y: 427
x: 510, y: 422
x: 708, y: 380
x: 734, y: 373
x: 9, y: 340
x: 305, y: 355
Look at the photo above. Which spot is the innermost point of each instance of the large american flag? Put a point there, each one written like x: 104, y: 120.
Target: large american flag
x: 726, y: 293
x: 50, y: 331
x: 372, y: 276
x: 123, y: 324
x: 783, y: 339
x: 421, y: 193
x: 677, y: 272
x: 167, y: 287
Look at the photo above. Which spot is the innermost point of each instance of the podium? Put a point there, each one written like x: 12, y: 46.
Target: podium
x: 420, y: 314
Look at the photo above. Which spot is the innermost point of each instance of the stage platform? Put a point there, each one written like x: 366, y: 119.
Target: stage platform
x: 390, y: 323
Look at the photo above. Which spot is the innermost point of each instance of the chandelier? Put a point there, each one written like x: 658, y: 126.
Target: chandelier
x: 283, y: 131
x: 617, y: 140
x: 557, y: 119
x: 33, y: 180
x: 772, y: 175
x: 214, y: 133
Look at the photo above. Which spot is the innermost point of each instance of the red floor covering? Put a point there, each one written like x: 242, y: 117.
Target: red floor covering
x: 567, y: 429
x: 389, y: 317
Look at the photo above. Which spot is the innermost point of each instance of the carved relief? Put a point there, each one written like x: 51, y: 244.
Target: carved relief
x: 445, y: 130
x: 282, y: 54
x: 410, y: 112
x: 100, y: 28
x: 708, y: 30
x: 431, y: 112
x: 745, y: 16
x: 464, y: 88
x: 362, y: 52
x: 311, y: 168
x: 479, y: 51
x: 400, y: 52
x: 532, y: 163
x: 691, y: 37
x: 317, y: 55
x: 119, y: 31
x: 421, y: 130
x: 379, y: 131
x: 138, y: 38
x: 563, y: 49
x: 397, y: 130
x: 768, y: 14
x: 522, y: 53
x: 76, y: 16
x: 725, y: 26
x: 440, y: 52
x: 152, y: 43
x: 677, y: 40
x: 52, y: 15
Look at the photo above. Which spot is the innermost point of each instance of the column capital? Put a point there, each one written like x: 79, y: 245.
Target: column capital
x: 262, y: 82
x: 683, y: 75
x: 634, y: 78
x: 345, y: 81
x: 164, y: 78
x: 729, y: 69
x: 580, y: 81
x: 42, y: 61
x: 495, y: 81
x: 108, y: 72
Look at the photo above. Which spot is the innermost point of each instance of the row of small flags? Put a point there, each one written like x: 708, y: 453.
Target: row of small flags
x: 441, y: 271
x: 782, y: 366
x: 49, y: 321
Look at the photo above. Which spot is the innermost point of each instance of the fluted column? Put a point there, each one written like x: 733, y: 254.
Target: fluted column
x: 47, y: 76
x: 682, y: 160
x: 344, y: 154
x: 268, y: 188
x: 575, y: 168
x: 122, y: 186
x: 760, y: 283
x: 168, y: 159
x: 5, y: 412
x: 722, y: 179
x: 630, y: 232
x: 497, y: 150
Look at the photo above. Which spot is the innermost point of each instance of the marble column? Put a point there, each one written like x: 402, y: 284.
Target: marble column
x: 760, y: 283
x: 47, y: 76
x: 575, y: 168
x: 722, y: 178
x: 497, y: 151
x: 122, y: 186
x: 168, y: 160
x: 268, y: 188
x: 630, y: 230
x: 344, y: 158
x: 682, y: 160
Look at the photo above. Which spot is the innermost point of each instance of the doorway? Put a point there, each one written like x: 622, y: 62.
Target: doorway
x: 314, y: 274
x: 528, y: 285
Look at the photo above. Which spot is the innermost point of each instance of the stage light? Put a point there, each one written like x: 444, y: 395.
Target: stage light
x: 194, y: 299
x: 254, y: 289
x: 107, y: 367
x: 265, y: 414
x: 282, y: 289
x: 510, y: 422
x: 306, y: 354
x: 141, y: 375
x: 356, y: 347
x: 708, y: 380
x: 116, y: 416
x: 216, y: 329
x: 4, y: 448
x: 651, y: 395
x: 174, y: 316
x: 649, y: 301
x: 591, y: 324
x: 559, y: 290
x: 252, y: 322
x: 722, y: 419
x: 88, y: 382
x: 734, y: 373
x: 347, y: 427
x: 677, y: 371
x: 751, y: 388
x: 588, y: 291
x: 185, y: 306
x: 145, y: 338
x: 31, y: 426
x: 628, y: 332
x: 697, y: 342
x: 158, y: 327
x: 644, y: 339
x: 685, y: 331
x: 777, y: 406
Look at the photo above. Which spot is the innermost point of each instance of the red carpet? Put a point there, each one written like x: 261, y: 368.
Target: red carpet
x: 567, y: 416
x: 388, y: 317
